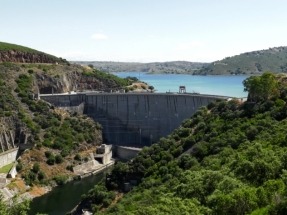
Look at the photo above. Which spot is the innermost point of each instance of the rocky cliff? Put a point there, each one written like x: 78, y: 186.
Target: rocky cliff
x: 25, y: 57
x: 21, y: 54
x: 64, y: 78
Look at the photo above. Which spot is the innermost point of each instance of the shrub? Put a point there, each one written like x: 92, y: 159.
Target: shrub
x: 70, y: 168
x: 47, y: 143
x: 19, y: 167
x: 78, y: 157
x: 36, y: 168
x: 151, y: 87
x: 48, y: 154
x: 30, y: 71
x: 60, y: 179
x: 51, y: 160
x: 65, y: 152
x: 41, y: 176
x: 59, y: 159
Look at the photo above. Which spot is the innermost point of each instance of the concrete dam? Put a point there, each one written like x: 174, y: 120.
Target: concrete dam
x: 133, y: 119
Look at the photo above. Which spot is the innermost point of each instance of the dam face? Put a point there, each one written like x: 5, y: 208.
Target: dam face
x: 131, y: 119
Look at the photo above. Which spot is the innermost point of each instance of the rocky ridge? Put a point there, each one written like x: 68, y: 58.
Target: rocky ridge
x: 26, y: 57
x: 21, y: 54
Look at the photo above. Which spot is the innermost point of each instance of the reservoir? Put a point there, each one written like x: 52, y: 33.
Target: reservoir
x: 63, y: 199
x: 225, y: 85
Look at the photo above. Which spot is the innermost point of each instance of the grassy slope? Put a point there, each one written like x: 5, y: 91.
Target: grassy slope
x: 274, y: 59
x: 6, y: 168
x: 4, y: 47
x: 14, y: 47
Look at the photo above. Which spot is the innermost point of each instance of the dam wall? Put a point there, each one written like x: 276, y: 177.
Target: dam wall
x: 134, y: 119
x: 8, y: 157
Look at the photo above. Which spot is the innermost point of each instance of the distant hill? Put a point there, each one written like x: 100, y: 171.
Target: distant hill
x: 173, y: 67
x: 21, y: 54
x: 256, y: 62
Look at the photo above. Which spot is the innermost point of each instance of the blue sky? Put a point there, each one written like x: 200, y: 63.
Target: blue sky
x: 144, y: 30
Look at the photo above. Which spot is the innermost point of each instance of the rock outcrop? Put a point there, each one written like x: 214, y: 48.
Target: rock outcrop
x: 72, y: 81
x: 12, y: 133
x: 27, y: 57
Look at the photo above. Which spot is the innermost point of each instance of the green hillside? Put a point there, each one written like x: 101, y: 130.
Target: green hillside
x: 229, y: 158
x: 173, y: 67
x: 14, y: 47
x: 256, y: 62
x: 21, y: 54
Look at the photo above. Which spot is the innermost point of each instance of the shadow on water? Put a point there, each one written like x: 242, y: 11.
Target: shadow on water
x: 64, y: 198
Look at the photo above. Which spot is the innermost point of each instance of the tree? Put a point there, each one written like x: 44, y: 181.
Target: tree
x: 15, y: 208
x: 261, y: 87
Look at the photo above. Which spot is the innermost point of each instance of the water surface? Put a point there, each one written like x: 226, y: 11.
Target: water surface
x: 63, y: 199
x: 214, y: 85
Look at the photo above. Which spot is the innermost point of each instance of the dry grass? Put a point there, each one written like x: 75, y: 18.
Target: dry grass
x: 17, y: 184
x: 38, y: 156
x: 139, y: 86
x: 38, y: 191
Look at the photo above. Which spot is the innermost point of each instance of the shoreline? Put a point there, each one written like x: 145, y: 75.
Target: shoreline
x: 43, y: 190
x: 70, y: 179
x: 94, y: 172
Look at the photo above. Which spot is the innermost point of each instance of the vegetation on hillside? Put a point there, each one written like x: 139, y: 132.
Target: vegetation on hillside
x: 56, y: 134
x: 14, y: 47
x: 14, y: 209
x: 63, y: 134
x: 56, y: 140
x: 273, y: 59
x: 103, y: 76
x: 14, y: 52
x: 61, y: 139
x: 229, y: 158
x: 255, y: 62
x: 173, y: 67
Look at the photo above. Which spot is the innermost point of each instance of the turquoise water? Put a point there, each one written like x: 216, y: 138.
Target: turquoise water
x: 214, y: 85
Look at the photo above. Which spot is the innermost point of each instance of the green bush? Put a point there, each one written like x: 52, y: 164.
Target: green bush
x: 70, y: 168
x: 59, y: 159
x: 78, y: 157
x: 60, y: 179
x: 41, y: 176
x: 36, y: 168
x: 48, y: 154
x: 19, y: 167
x: 51, y: 160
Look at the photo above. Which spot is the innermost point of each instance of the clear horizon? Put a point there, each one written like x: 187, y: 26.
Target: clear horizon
x: 145, y: 31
